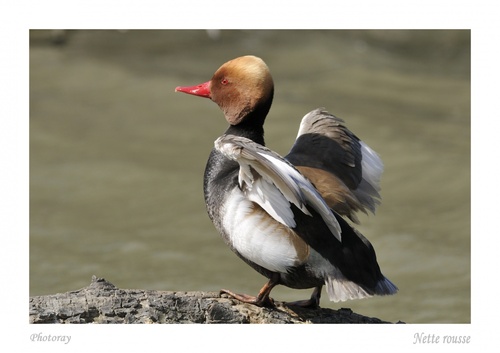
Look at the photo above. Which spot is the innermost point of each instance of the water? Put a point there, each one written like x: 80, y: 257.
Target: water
x: 117, y: 158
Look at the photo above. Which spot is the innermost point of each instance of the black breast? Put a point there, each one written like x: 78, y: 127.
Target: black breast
x: 221, y: 176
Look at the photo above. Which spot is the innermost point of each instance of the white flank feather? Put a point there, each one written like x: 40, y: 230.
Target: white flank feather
x: 257, y: 237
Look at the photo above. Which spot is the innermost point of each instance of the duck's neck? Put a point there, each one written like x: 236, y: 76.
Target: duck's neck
x: 251, y: 131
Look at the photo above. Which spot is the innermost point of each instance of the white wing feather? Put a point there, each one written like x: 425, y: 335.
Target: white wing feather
x: 273, y: 183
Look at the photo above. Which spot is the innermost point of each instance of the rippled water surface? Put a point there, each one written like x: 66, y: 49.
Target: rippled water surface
x: 117, y: 158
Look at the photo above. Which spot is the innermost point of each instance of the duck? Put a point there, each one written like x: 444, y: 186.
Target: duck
x: 289, y: 217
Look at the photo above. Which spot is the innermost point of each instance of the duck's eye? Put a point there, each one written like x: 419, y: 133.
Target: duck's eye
x: 224, y: 81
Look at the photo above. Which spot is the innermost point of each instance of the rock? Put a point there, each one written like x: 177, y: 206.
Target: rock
x: 102, y: 302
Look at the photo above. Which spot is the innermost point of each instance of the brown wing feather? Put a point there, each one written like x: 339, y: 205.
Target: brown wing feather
x: 336, y: 194
x: 331, y: 157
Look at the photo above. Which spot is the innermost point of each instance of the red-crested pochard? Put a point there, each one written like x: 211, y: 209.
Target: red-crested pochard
x: 283, y: 215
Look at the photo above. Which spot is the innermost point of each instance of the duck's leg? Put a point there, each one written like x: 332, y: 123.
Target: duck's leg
x: 313, y: 302
x: 262, y: 299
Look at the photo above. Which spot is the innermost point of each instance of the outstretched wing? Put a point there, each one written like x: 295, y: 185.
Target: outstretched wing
x: 343, y: 168
x: 273, y: 183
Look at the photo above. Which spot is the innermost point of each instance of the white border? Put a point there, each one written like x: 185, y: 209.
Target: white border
x: 18, y: 17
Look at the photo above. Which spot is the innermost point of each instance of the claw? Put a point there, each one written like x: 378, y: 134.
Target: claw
x: 262, y: 299
x: 312, y: 302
